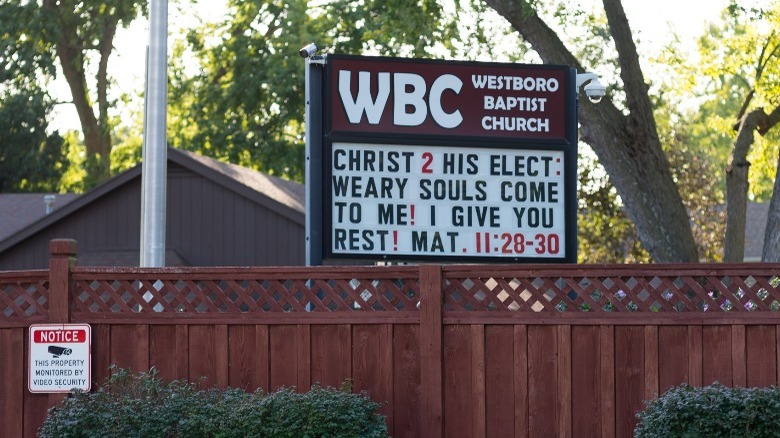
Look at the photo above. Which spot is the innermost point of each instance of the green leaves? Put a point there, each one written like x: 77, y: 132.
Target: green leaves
x: 26, y: 43
x: 30, y: 159
x: 245, y: 102
x: 143, y: 405
x: 711, y: 411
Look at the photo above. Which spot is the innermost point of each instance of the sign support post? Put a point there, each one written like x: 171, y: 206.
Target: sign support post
x: 313, y: 97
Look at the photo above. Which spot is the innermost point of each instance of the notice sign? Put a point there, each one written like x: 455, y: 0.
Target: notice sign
x: 447, y: 201
x: 60, y: 358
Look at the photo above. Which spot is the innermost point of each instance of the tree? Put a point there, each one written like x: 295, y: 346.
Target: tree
x: 245, y: 103
x: 79, y: 36
x: 741, y: 62
x: 90, y: 27
x: 30, y: 159
x: 626, y: 143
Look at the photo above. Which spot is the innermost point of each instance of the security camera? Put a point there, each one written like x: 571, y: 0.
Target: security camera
x: 308, y: 51
x: 595, y: 90
x: 58, y: 351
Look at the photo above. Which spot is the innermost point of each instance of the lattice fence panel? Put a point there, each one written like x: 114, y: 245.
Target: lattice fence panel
x: 24, y: 298
x: 154, y: 295
x: 632, y: 293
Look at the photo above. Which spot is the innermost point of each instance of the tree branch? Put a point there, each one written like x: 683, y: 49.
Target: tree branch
x: 769, y: 121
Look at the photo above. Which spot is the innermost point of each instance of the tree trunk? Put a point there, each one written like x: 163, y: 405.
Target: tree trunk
x: 627, y: 145
x: 737, y: 188
x: 771, y: 251
x: 70, y: 51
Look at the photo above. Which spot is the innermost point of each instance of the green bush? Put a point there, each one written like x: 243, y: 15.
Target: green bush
x: 143, y: 405
x: 712, y: 411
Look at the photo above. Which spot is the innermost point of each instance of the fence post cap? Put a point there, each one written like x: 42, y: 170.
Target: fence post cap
x: 63, y: 247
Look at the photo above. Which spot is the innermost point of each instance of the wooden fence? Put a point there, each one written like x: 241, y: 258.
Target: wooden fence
x: 466, y: 350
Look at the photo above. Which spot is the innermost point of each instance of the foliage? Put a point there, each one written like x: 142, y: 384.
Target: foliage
x: 26, y: 48
x: 143, y: 405
x: 711, y: 411
x: 698, y: 173
x: 735, y: 71
x: 698, y: 181
x: 77, y: 37
x: 605, y: 233
x: 30, y: 159
x: 245, y: 102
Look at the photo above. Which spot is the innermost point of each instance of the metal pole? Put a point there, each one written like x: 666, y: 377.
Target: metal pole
x: 313, y: 97
x: 153, y: 179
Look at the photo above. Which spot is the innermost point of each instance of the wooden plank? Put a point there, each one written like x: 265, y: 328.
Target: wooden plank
x: 478, y: 380
x: 13, y: 383
x: 716, y: 347
x: 499, y: 380
x: 410, y: 317
x: 130, y: 347
x: 407, y: 404
x: 738, y: 356
x: 36, y: 406
x: 283, y: 340
x: 249, y: 364
x: 542, y: 381
x: 372, y: 365
x: 270, y: 318
x: 520, y: 334
x: 586, y: 380
x: 607, y: 379
x: 777, y: 350
x: 458, y: 381
x: 431, y: 355
x: 629, y: 377
x: 303, y: 353
x: 695, y: 355
x: 208, y: 355
x: 331, y: 352
x: 761, y: 346
x: 169, y: 351
x: 101, y: 354
x: 673, y: 362
x: 651, y: 362
x: 620, y: 317
x: 564, y: 381
x: 63, y: 252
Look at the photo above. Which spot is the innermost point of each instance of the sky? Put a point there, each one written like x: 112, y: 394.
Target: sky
x: 653, y: 22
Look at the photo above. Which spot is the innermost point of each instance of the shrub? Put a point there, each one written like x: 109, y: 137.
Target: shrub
x: 712, y: 411
x: 143, y: 405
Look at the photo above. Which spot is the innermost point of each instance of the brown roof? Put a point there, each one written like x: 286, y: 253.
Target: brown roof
x: 18, y: 210
x: 289, y: 193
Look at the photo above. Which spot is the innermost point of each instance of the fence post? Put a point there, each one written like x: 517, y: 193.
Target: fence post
x: 431, y: 359
x: 62, y: 259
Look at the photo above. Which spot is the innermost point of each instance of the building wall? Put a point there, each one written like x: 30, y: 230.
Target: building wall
x: 207, y: 225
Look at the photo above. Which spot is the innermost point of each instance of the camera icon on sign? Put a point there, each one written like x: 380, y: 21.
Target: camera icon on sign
x: 59, y: 351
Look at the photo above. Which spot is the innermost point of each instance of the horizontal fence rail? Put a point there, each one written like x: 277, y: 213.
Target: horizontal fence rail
x: 454, y: 350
